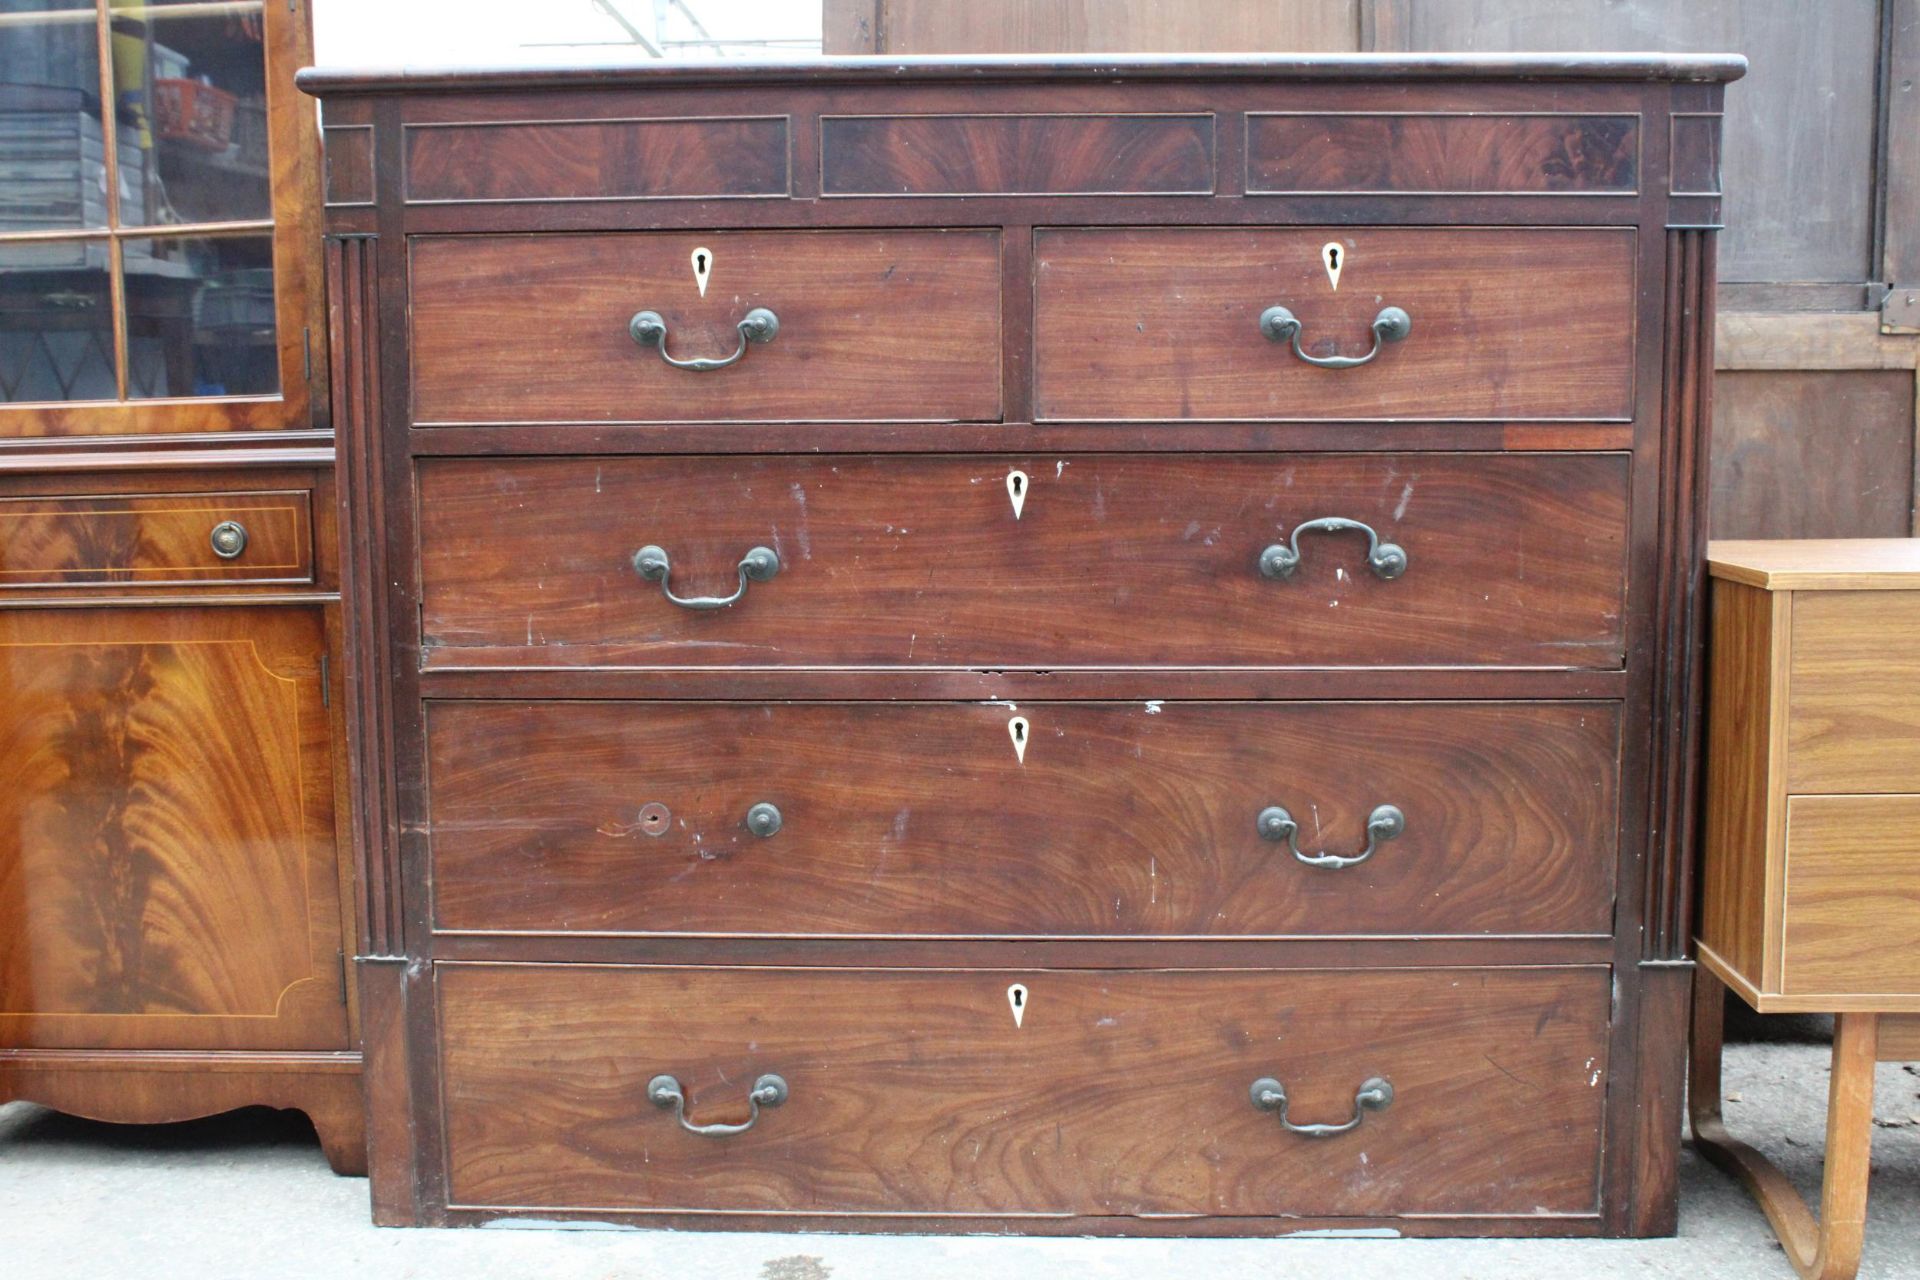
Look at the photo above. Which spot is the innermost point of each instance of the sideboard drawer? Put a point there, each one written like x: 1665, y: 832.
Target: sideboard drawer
x: 1145, y: 323
x: 1853, y: 695
x: 1848, y: 924
x: 1125, y: 559
x: 156, y: 539
x: 894, y: 324
x: 1110, y: 819
x: 1115, y: 1092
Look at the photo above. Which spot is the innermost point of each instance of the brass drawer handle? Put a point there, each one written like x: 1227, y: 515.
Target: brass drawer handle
x: 1387, y: 560
x: 229, y: 539
x: 758, y: 565
x: 1385, y: 823
x: 1281, y: 325
x: 1269, y: 1094
x: 649, y: 329
x: 767, y: 1091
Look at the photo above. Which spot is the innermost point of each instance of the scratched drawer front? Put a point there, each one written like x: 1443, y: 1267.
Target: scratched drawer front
x: 1118, y: 559
x: 1148, y: 323
x: 1118, y: 1092
x: 155, y: 539
x: 871, y: 325
x: 1058, y: 819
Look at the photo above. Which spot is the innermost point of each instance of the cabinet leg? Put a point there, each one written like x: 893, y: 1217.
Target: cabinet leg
x: 1830, y: 1248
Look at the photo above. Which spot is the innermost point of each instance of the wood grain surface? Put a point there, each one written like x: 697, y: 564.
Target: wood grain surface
x: 1854, y: 692
x: 597, y: 160
x: 166, y: 837
x: 1852, y: 874
x: 153, y: 538
x: 1122, y: 1092
x: 873, y: 325
x: 911, y: 819
x: 1744, y: 805
x: 1130, y: 560
x: 1016, y: 154
x: 1145, y: 323
x: 1421, y: 152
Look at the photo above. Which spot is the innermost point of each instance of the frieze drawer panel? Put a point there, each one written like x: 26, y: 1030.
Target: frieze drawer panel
x: 1075, y: 645
x: 1159, y: 818
x: 1112, y: 1093
x: 821, y: 325
x: 1137, y: 560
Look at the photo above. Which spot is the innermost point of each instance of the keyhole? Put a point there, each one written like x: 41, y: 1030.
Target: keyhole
x: 1019, y: 484
x: 700, y: 263
x: 1333, y: 256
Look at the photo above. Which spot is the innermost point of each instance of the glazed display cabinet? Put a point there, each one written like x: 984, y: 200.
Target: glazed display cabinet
x: 174, y: 918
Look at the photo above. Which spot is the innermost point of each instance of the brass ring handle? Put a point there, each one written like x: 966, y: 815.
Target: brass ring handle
x: 767, y: 1091
x: 1281, y: 325
x: 758, y: 565
x: 1385, y: 823
x: 1387, y: 560
x: 649, y: 329
x: 228, y: 539
x: 1269, y: 1094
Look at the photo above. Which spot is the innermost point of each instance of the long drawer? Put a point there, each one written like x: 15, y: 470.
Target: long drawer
x: 1134, y: 560
x: 1476, y: 1091
x: 897, y: 324
x: 1148, y: 323
x: 1046, y: 819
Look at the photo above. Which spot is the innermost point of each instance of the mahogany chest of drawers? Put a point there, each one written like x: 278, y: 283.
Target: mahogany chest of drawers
x: 1064, y: 646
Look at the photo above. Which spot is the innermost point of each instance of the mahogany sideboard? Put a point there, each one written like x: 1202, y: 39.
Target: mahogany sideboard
x: 175, y: 907
x: 1079, y: 645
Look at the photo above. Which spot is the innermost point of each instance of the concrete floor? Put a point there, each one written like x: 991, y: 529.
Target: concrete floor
x: 248, y: 1195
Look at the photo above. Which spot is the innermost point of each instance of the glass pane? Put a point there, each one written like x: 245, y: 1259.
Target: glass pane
x: 53, y: 157
x: 200, y: 317
x: 191, y: 88
x: 56, y: 322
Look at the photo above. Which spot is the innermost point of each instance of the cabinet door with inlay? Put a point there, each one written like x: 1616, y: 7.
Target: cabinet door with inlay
x: 168, y: 875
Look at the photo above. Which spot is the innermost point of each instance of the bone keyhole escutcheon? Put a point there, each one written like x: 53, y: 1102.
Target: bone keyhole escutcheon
x: 702, y: 268
x: 1333, y: 257
x: 1017, y: 485
x: 1017, y: 730
x: 1017, y: 1001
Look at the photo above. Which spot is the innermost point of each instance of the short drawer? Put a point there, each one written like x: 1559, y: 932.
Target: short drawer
x: 1474, y: 1090
x: 1853, y: 692
x: 1506, y: 323
x: 156, y: 539
x: 898, y: 325
x: 1849, y: 926
x: 1052, y: 819
x: 1126, y: 559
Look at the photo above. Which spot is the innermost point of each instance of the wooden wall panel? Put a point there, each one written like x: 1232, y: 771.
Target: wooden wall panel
x: 1801, y: 131
x: 1815, y: 453
x: 1090, y: 26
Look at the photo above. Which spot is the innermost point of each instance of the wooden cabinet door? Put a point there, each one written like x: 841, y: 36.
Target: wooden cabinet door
x: 168, y: 873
